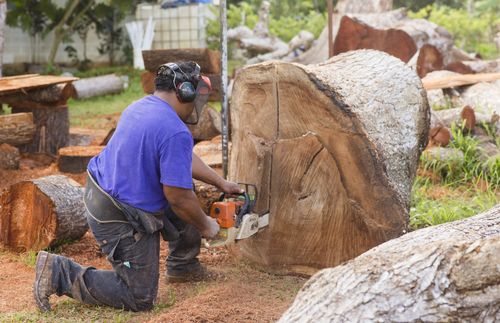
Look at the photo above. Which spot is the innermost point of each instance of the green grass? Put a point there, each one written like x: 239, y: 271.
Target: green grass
x: 434, y: 204
x: 95, y: 112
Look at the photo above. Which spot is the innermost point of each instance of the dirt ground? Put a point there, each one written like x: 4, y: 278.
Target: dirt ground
x: 241, y: 293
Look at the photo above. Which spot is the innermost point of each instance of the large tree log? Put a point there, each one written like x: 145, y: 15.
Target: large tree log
x: 429, y: 59
x: 446, y: 273
x: 332, y: 149
x: 484, y: 97
x: 9, y: 157
x: 52, y: 128
x: 17, y: 128
x: 459, y: 80
x: 99, y: 85
x: 41, y: 213
x: 74, y: 159
x: 208, y: 60
x: 353, y: 34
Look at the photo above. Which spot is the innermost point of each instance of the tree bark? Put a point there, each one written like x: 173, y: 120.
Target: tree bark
x: 52, y: 129
x: 9, y: 157
x: 353, y: 34
x: 42, y: 213
x: 445, y: 273
x: 96, y: 86
x: 208, y: 60
x: 17, y: 128
x: 333, y: 150
x: 74, y: 159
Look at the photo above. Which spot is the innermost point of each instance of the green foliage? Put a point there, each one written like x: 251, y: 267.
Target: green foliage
x: 32, y: 16
x: 287, y: 27
x: 472, y: 32
x: 433, y: 204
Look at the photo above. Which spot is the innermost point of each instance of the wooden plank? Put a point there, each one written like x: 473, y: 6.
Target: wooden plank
x: 18, y: 76
x: 458, y: 80
x: 8, y: 85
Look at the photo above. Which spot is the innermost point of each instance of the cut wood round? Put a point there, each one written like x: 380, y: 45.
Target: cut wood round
x: 208, y: 126
x: 333, y: 150
x: 439, y: 136
x: 353, y: 34
x: 52, y: 129
x: 17, y: 128
x: 99, y: 85
x: 211, y: 151
x: 445, y: 273
x: 429, y: 60
x: 74, y: 159
x: 9, y: 157
x: 41, y: 213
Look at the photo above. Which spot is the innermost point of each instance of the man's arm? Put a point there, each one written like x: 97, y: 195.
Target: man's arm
x: 185, y: 205
x: 204, y: 173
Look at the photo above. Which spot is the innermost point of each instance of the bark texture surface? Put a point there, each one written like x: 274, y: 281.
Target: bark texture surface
x: 16, y: 128
x: 41, y: 213
x: 9, y: 157
x: 446, y: 273
x: 333, y: 150
x: 99, y: 85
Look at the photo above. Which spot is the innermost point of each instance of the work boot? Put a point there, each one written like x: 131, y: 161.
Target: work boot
x: 42, y: 288
x: 201, y: 273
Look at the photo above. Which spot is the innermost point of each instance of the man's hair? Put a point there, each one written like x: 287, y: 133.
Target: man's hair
x: 165, y: 77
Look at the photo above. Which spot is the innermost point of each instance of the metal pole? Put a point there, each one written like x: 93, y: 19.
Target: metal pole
x: 330, y: 27
x: 224, y: 103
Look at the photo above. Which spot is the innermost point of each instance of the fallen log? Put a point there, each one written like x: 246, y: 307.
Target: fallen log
x: 326, y: 149
x: 456, y: 116
x: 55, y: 94
x: 17, y: 128
x: 439, y: 136
x: 445, y: 273
x: 42, y: 213
x: 208, y: 60
x: 74, y: 159
x: 459, y: 67
x: 9, y: 157
x: 99, y: 85
x: 459, y: 80
x: 353, y: 34
x: 485, y: 97
x: 208, y: 126
x: 52, y: 128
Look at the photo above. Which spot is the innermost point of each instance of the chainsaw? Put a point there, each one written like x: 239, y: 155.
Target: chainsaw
x: 236, y: 218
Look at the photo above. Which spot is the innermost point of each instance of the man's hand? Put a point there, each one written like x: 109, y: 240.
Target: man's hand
x: 211, y: 229
x: 230, y: 188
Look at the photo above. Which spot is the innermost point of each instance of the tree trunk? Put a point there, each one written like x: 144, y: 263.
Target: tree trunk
x: 52, y: 129
x: 333, y: 150
x: 208, y: 60
x: 100, y: 85
x: 3, y: 15
x: 41, y: 213
x: 208, y: 126
x: 446, y: 273
x: 17, y: 128
x: 9, y: 157
x: 353, y: 34
x: 76, y: 158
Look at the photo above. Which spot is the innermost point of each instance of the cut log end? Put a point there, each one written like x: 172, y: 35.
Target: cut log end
x: 41, y: 213
x: 75, y: 159
x: 9, y: 157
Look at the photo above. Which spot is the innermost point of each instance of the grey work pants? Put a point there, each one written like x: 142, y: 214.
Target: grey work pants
x: 133, y: 282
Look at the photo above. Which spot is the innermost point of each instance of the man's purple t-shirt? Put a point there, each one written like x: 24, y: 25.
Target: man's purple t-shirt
x: 150, y: 147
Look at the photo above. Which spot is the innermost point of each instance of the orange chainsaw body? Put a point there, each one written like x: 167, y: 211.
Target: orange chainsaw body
x: 225, y: 212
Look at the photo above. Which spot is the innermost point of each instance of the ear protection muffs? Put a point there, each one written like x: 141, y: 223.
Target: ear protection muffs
x: 185, y: 90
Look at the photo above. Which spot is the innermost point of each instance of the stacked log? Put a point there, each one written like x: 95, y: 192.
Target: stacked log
x: 9, y: 157
x: 333, y: 150
x: 208, y: 60
x: 42, y: 213
x: 208, y: 126
x: 99, y: 85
